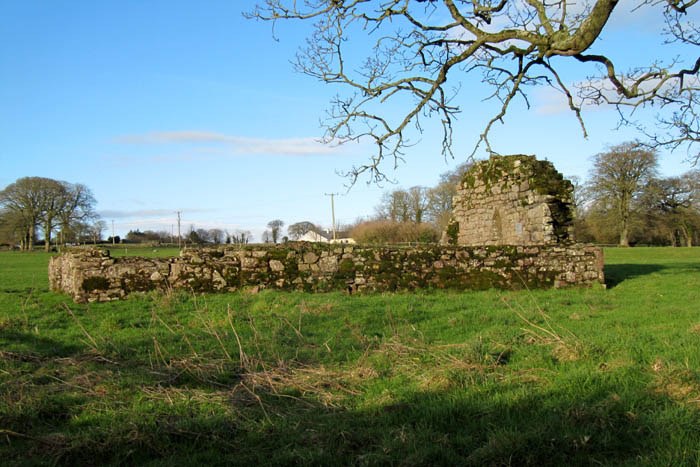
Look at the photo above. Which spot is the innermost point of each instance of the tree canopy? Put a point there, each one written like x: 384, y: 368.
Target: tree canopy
x: 51, y: 205
x: 298, y: 229
x: 275, y: 226
x: 421, y: 47
x: 618, y: 176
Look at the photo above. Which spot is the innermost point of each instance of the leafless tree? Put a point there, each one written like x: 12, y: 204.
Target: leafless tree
x: 422, y: 48
x: 38, y: 202
x: 13, y: 229
x: 297, y: 230
x: 266, y: 236
x: 618, y: 177
x: 670, y: 208
x: 241, y: 237
x: 440, y: 196
x: 76, y: 205
x: 216, y: 236
x: 418, y: 202
x: 275, y: 226
x: 96, y: 229
x: 24, y: 201
x: 394, y: 206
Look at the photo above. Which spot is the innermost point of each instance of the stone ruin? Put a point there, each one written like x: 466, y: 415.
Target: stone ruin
x: 511, y: 200
x: 511, y: 228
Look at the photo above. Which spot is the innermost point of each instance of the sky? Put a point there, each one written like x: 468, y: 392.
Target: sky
x: 174, y: 106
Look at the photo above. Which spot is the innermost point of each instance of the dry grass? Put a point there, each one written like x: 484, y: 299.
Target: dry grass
x: 680, y: 384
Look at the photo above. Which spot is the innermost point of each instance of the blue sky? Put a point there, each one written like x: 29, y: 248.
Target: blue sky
x: 165, y: 106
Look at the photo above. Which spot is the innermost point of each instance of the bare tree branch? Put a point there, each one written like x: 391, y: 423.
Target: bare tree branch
x: 420, y: 46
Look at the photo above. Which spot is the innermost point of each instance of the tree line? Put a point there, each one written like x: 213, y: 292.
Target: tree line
x: 195, y: 236
x: 417, y: 214
x: 624, y: 201
x: 61, y: 212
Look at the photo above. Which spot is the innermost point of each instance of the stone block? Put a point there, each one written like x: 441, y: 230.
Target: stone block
x: 276, y: 265
x: 310, y: 257
x: 328, y: 264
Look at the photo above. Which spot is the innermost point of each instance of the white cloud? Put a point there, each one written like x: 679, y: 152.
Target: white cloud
x: 550, y: 101
x: 236, y: 144
x: 147, y: 213
x: 547, y: 100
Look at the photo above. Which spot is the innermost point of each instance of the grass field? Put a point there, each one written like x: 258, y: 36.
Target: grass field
x: 556, y: 377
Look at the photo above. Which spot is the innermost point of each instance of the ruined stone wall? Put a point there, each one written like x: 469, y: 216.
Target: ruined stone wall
x: 511, y: 200
x: 93, y: 275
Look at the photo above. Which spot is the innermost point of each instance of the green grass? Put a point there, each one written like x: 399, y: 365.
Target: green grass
x: 554, y: 377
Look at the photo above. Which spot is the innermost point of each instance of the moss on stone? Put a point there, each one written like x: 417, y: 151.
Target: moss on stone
x: 346, y: 270
x: 95, y: 283
x: 493, y: 170
x: 371, y: 269
x: 279, y: 254
x: 232, y: 275
x: 541, y: 174
x: 452, y: 232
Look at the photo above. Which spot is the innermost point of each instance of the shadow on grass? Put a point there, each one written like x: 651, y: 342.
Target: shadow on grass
x: 596, y: 418
x: 37, y: 345
x: 617, y: 273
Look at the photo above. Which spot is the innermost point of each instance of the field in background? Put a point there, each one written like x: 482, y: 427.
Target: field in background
x: 581, y: 376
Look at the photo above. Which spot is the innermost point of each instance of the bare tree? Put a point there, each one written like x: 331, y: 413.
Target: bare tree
x: 266, y: 236
x: 53, y: 195
x: 418, y: 202
x: 395, y: 206
x: 512, y: 44
x: 13, y: 229
x: 440, y: 196
x: 671, y: 209
x: 76, y: 206
x: 275, y: 226
x: 617, y: 177
x: 295, y: 231
x: 25, y: 200
x: 216, y: 236
x: 241, y: 237
x: 96, y: 230
x: 203, y: 236
x: 38, y: 202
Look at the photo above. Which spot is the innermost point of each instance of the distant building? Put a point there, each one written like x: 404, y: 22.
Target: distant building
x: 326, y: 237
x: 315, y: 237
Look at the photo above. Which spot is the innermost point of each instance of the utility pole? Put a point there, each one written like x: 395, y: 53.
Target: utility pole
x: 178, y: 229
x: 332, y: 195
x: 113, y: 232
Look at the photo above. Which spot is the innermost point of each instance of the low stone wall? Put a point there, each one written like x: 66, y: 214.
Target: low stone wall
x: 93, y: 275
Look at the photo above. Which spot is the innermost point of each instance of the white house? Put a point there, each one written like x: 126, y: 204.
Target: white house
x: 324, y: 237
x: 313, y: 236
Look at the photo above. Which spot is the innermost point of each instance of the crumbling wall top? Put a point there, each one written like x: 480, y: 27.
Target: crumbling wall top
x: 512, y: 200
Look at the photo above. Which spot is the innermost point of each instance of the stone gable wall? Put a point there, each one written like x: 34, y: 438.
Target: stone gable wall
x: 93, y: 275
x: 511, y: 200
